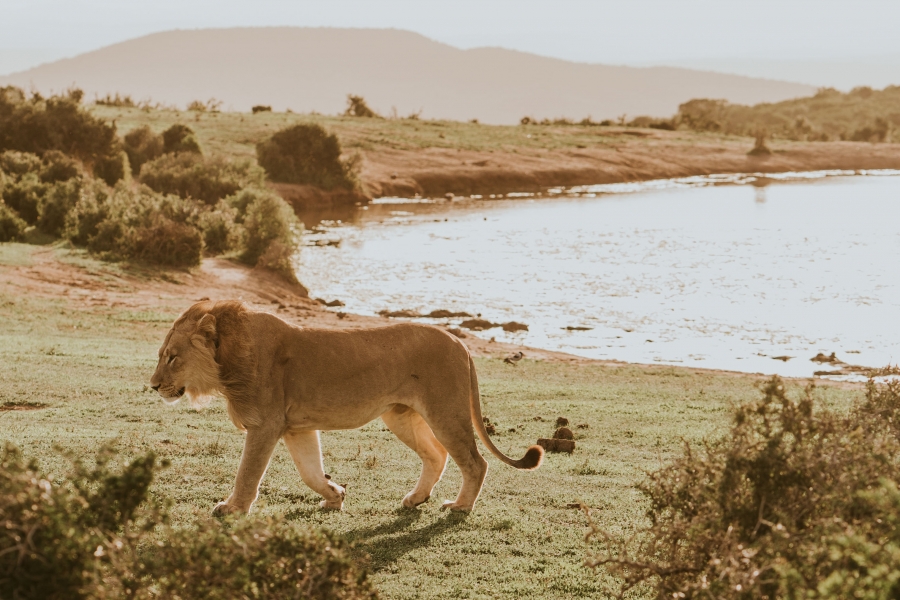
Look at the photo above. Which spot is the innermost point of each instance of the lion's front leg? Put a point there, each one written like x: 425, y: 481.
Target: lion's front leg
x: 258, y: 449
x: 307, y: 454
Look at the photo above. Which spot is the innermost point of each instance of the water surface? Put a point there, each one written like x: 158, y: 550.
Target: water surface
x: 677, y: 272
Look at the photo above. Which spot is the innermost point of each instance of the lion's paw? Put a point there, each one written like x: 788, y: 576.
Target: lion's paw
x: 223, y: 508
x: 325, y: 504
x: 455, y: 507
x: 410, y: 501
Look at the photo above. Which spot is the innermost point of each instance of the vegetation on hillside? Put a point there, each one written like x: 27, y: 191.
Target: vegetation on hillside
x: 862, y: 115
x: 307, y: 154
x: 797, y: 501
x: 57, y: 178
x: 98, y: 532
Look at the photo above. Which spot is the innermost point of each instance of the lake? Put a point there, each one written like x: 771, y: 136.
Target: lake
x: 723, y: 272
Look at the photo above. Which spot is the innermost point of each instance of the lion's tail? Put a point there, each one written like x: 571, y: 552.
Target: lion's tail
x: 533, y: 456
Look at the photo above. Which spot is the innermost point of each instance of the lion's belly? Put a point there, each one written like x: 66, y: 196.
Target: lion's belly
x: 332, y: 415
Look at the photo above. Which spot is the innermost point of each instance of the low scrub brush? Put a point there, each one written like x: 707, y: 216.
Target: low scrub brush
x: 797, y: 501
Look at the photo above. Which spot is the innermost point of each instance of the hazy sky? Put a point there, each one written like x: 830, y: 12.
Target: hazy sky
x: 608, y: 31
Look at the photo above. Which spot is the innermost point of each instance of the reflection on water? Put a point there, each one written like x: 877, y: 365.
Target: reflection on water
x: 680, y: 272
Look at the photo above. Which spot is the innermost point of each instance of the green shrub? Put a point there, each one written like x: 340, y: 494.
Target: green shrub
x: 19, y: 163
x: 12, y: 227
x: 24, y: 196
x: 167, y: 242
x: 56, y: 166
x: 194, y: 176
x: 129, y: 223
x: 37, y: 125
x: 99, y: 535
x: 306, y: 154
x: 142, y: 145
x: 267, y: 218
x: 221, y: 232
x: 59, y: 199
x: 797, y: 501
x: 180, y: 138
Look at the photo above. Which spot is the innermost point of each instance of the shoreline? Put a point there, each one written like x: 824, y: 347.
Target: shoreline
x: 57, y: 273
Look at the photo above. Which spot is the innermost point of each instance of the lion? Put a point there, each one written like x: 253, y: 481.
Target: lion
x: 286, y: 382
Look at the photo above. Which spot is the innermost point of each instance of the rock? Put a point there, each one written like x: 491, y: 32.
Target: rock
x: 514, y: 326
x: 782, y: 358
x: 577, y: 328
x: 334, y: 303
x: 478, y: 324
x: 410, y: 314
x: 457, y: 332
x: 446, y: 314
x: 562, y: 422
x: 831, y: 360
x: 563, y: 433
x: 554, y: 445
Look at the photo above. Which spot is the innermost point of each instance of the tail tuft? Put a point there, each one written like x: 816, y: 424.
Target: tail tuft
x: 532, y: 459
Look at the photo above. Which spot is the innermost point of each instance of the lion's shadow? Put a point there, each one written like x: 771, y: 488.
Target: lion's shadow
x: 383, y: 545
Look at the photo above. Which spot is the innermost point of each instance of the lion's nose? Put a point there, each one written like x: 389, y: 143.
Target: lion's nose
x: 155, y: 387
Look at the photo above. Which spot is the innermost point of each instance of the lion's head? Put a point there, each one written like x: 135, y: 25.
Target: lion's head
x: 187, y: 360
x: 204, y: 354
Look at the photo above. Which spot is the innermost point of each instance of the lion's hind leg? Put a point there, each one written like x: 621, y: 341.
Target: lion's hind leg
x: 411, y: 428
x: 307, y: 454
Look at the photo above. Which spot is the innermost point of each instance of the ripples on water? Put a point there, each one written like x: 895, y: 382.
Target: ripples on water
x: 679, y: 271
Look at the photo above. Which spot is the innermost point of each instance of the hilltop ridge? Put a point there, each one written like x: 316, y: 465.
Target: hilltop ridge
x: 313, y: 69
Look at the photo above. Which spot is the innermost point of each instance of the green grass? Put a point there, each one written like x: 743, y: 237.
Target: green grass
x: 90, y: 367
x: 236, y: 134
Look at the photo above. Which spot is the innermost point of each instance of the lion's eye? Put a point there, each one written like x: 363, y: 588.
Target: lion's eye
x: 171, y: 358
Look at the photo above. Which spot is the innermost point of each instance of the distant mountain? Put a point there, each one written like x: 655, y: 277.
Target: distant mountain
x: 313, y: 69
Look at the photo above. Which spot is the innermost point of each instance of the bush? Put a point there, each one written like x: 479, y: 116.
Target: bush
x: 19, y: 163
x: 266, y: 218
x: 357, y: 107
x: 142, y: 145
x: 24, y: 196
x: 136, y: 224
x: 261, y: 108
x: 220, y: 229
x: 306, y: 154
x: 191, y: 175
x: 56, y: 203
x: 12, y: 228
x: 37, y: 125
x: 93, y: 536
x: 180, y: 138
x: 56, y: 166
x: 797, y: 501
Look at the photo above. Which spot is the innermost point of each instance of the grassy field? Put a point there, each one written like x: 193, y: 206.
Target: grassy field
x: 87, y: 370
x: 236, y: 134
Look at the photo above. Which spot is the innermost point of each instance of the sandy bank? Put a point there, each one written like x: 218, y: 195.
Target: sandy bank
x: 636, y: 155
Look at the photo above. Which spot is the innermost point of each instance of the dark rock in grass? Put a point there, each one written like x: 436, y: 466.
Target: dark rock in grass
x: 409, y: 314
x: 478, y: 324
x: 563, y: 433
x: 446, y: 314
x: 555, y: 445
x: 562, y: 422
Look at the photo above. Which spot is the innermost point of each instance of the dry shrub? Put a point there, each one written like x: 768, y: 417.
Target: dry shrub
x: 357, y: 107
x: 797, y: 501
x: 306, y: 154
x: 100, y: 534
x: 141, y: 146
x: 191, y: 175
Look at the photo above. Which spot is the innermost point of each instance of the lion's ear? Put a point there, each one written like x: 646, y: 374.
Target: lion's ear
x: 206, y: 327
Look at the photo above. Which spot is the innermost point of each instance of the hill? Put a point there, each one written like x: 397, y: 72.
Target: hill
x: 313, y: 69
